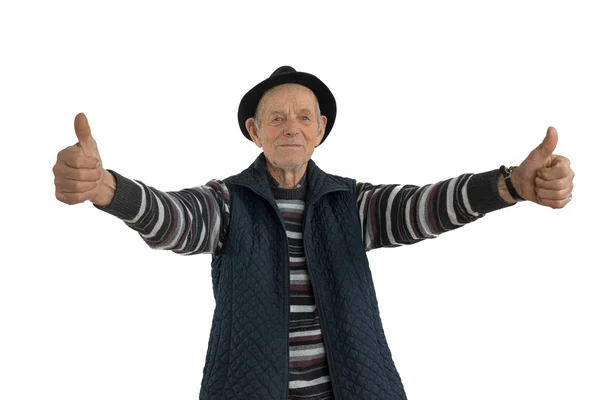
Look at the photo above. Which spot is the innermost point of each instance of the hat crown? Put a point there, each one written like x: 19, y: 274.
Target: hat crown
x: 286, y: 69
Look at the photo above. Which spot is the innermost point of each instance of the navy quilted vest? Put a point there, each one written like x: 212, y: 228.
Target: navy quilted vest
x: 247, y: 356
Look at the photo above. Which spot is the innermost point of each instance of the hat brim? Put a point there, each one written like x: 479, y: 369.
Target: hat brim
x: 327, y: 105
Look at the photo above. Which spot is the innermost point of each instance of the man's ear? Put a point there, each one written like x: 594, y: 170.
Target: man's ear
x: 251, y: 127
x: 321, y: 132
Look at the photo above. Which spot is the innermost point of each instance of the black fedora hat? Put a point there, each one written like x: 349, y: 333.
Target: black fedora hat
x: 280, y: 76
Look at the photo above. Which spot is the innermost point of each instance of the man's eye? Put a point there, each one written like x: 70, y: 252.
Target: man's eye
x: 277, y: 119
x: 305, y: 118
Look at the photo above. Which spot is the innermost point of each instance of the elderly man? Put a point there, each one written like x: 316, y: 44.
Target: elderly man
x: 296, y: 314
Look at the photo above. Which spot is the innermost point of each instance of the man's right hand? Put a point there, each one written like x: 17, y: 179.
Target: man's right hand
x: 78, y: 172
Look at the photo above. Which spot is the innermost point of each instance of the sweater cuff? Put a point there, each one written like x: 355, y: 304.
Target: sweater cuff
x: 483, y: 192
x: 127, y: 200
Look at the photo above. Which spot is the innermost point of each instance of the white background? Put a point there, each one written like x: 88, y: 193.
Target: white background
x: 507, y: 307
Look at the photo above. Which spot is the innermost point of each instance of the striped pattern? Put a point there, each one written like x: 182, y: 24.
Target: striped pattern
x: 189, y: 221
x: 195, y: 221
x: 308, y: 373
x: 395, y: 215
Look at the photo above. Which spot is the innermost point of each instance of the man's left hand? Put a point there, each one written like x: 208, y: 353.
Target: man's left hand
x: 543, y: 177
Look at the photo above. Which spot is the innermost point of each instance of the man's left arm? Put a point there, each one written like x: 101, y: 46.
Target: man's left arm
x: 394, y: 215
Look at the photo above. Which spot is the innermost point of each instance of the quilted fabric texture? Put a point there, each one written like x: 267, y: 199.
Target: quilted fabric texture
x: 247, y: 356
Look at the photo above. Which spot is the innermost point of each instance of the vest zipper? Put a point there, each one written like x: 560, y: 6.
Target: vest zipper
x: 322, y: 321
x: 328, y: 343
x: 286, y: 297
x: 286, y: 302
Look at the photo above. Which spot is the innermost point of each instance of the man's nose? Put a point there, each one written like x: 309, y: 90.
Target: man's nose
x: 292, y: 126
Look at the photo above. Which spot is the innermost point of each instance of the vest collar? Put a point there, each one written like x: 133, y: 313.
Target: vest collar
x: 256, y: 178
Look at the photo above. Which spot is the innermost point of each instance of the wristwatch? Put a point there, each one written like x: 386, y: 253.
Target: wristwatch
x: 507, y: 173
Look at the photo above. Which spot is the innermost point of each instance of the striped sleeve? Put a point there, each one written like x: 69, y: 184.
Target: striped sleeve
x: 189, y: 221
x: 395, y: 215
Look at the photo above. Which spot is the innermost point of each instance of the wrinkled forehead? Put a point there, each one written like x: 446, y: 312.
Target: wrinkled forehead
x: 288, y: 95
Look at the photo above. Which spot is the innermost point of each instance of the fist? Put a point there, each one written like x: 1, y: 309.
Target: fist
x: 544, y: 177
x: 78, y: 172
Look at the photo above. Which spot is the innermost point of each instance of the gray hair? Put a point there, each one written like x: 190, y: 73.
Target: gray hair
x: 257, y: 112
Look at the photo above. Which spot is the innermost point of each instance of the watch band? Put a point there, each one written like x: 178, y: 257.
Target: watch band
x: 507, y: 173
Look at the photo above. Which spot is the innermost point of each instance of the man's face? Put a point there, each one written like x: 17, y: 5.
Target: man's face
x: 288, y: 129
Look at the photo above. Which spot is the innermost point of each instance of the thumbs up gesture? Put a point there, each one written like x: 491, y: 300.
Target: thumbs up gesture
x: 78, y: 172
x: 544, y: 177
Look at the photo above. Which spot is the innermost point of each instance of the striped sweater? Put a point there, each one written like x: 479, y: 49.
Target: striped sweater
x: 195, y: 220
x: 308, y: 373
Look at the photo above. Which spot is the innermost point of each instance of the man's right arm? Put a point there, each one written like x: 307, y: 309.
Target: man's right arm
x: 189, y: 221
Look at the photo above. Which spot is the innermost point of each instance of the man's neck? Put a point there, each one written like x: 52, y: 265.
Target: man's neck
x: 288, y: 179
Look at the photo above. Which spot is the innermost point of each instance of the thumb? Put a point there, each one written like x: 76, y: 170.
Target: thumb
x: 549, y: 143
x: 84, y: 135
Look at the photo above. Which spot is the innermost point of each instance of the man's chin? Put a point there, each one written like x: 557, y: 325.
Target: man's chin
x: 288, y: 164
